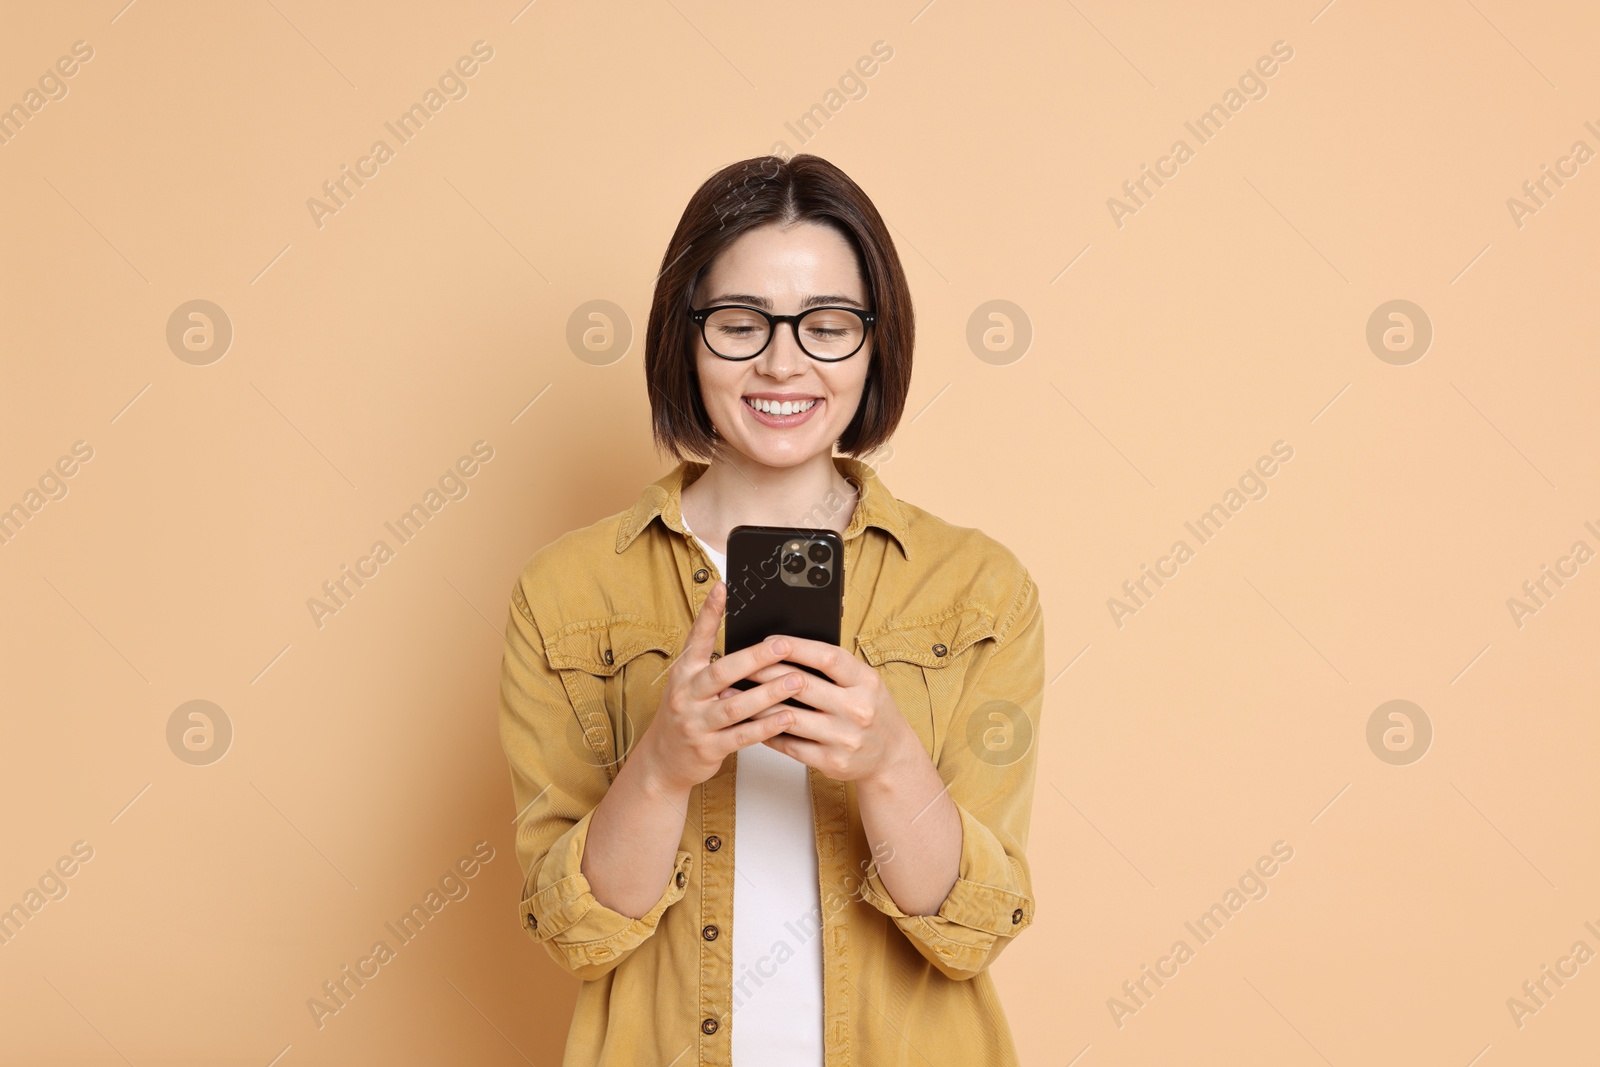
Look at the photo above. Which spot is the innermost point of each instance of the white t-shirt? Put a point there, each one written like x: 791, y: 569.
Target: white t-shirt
x: 777, y: 1007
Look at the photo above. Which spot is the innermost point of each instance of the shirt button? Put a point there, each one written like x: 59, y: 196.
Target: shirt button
x: 533, y: 921
x: 713, y: 842
x: 608, y: 655
x: 682, y: 878
x: 708, y: 1026
x: 701, y: 575
x: 1016, y: 916
x: 938, y: 650
x: 716, y: 655
x: 709, y: 933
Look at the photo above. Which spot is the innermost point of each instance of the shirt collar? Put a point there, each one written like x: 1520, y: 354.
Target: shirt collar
x: 876, y: 506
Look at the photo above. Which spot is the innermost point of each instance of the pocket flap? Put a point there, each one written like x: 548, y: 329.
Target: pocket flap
x: 602, y: 646
x: 931, y: 640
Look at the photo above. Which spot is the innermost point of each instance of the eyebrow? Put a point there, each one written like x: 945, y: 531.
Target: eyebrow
x: 766, y: 304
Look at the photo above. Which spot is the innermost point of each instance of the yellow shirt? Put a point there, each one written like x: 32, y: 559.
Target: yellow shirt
x: 950, y: 618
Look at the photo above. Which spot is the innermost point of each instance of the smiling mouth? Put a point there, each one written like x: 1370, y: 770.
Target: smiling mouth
x: 786, y: 407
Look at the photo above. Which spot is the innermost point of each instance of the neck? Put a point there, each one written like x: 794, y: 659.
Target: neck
x: 739, y: 492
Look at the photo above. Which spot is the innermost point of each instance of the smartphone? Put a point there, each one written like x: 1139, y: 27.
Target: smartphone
x: 783, y: 580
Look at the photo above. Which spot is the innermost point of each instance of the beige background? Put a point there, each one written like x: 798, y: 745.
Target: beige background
x: 1167, y: 355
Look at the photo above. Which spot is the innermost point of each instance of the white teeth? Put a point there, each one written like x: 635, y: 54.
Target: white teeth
x: 787, y: 407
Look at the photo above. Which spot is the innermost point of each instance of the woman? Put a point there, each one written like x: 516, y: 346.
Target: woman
x: 876, y: 865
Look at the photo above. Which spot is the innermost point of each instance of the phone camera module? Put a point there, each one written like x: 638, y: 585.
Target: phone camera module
x: 819, y: 552
x: 793, y: 563
x: 818, y: 576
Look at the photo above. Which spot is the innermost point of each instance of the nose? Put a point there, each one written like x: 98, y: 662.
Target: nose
x: 784, y: 358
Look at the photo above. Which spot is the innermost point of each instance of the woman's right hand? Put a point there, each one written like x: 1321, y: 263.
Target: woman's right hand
x: 702, y: 720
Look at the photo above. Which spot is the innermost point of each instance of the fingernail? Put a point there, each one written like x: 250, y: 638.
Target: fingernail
x: 792, y: 682
x: 779, y: 645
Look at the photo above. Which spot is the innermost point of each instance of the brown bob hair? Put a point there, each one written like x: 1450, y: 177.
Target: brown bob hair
x: 739, y: 197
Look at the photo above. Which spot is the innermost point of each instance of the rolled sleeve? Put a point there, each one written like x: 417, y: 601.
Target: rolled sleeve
x: 992, y: 899
x: 556, y: 792
x: 580, y: 933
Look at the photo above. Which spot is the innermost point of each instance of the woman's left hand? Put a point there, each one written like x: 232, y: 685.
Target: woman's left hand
x: 857, y: 732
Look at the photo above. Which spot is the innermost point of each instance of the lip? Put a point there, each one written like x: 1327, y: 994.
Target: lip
x: 781, y: 422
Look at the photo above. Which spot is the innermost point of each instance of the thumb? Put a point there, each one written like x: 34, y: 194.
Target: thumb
x: 703, y: 634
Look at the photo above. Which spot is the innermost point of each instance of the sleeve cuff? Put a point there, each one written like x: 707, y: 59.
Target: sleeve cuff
x: 990, y: 900
x: 561, y: 911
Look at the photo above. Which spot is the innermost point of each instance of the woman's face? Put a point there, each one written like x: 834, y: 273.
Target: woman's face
x: 783, y: 270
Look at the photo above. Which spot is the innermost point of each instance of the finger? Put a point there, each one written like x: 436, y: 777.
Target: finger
x: 776, y: 709
x: 843, y: 668
x: 754, y: 731
x: 758, y: 702
x: 751, y: 702
x: 815, y: 726
x: 820, y: 693
x: 767, y: 674
x: 732, y: 667
x: 726, y: 693
x: 808, y: 752
x: 702, y: 639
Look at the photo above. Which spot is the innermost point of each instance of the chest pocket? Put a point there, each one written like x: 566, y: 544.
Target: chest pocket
x: 924, y: 661
x: 614, y: 670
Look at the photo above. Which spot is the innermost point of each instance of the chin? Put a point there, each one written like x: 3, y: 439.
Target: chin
x: 790, y: 455
x: 780, y: 458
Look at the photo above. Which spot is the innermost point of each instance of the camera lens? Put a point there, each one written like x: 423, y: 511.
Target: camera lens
x: 818, y: 576
x: 819, y: 552
x: 793, y: 563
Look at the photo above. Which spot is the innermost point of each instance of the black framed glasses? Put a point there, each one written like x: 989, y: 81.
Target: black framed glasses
x: 739, y: 331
